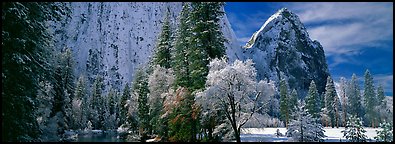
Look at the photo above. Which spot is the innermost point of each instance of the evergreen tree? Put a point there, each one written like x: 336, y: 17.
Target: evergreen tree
x: 109, y: 108
x: 293, y: 102
x: 312, y: 101
x: 370, y: 99
x: 206, y: 41
x: 77, y: 105
x: 181, y: 45
x: 45, y: 103
x: 284, y: 102
x: 198, y: 40
x: 140, y: 89
x: 382, y: 103
x: 64, y: 89
x: 123, y: 108
x: 183, y: 117
x: 305, y: 128
x: 97, y: 103
x: 343, y: 96
x: 381, y: 96
x: 354, y: 131
x: 354, y: 98
x: 330, y: 103
x: 336, y: 108
x: 26, y: 61
x: 162, y: 52
x: 386, y: 134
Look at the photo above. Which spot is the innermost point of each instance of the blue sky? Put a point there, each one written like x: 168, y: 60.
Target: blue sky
x: 355, y: 36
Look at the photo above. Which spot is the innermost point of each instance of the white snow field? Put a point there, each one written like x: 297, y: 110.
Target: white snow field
x: 268, y: 134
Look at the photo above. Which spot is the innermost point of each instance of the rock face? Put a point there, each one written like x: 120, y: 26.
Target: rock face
x: 113, y: 39
x: 281, y: 48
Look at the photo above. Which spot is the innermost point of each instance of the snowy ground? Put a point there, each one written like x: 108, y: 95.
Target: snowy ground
x: 267, y: 134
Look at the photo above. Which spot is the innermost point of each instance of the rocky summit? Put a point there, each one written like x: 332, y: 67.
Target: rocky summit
x: 282, y: 49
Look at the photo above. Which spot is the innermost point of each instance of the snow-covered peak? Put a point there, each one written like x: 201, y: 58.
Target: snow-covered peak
x: 282, y: 49
x: 283, y: 19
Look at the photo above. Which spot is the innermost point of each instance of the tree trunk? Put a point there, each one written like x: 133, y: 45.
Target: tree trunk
x: 286, y: 120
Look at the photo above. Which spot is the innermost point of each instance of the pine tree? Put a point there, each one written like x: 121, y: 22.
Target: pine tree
x: 97, y: 103
x: 354, y: 131
x: 305, y: 128
x: 354, y: 98
x: 79, y: 106
x: 293, y: 102
x: 26, y: 61
x: 343, y: 96
x: 45, y: 103
x: 140, y: 89
x: 64, y: 89
x: 284, y: 102
x: 162, y: 51
x: 181, y: 46
x: 312, y: 102
x: 336, y: 108
x: 370, y: 99
x: 330, y: 103
x: 382, y: 103
x: 123, y: 109
x: 198, y: 40
x: 206, y: 41
x: 381, y: 96
x: 386, y: 134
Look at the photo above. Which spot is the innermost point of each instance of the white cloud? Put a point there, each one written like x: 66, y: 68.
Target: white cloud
x: 385, y: 80
x: 345, y: 27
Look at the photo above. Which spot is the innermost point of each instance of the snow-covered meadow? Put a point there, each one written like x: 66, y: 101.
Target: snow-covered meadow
x: 268, y: 134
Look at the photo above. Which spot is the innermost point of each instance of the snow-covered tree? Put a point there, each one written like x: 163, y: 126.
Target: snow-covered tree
x: 159, y: 82
x: 64, y: 87
x: 205, y: 17
x: 47, y: 125
x: 382, y: 104
x: 26, y: 60
x: 78, y: 105
x: 162, y: 51
x: 305, y: 128
x: 140, y: 89
x: 354, y: 131
x: 343, y: 99
x: 109, y: 107
x: 180, y: 49
x: 336, y: 108
x: 312, y: 101
x: 126, y: 95
x: 206, y: 41
x: 386, y: 134
x: 330, y: 105
x: 231, y: 89
x: 96, y: 104
x: 354, y: 98
x: 293, y: 101
x: 370, y: 99
x: 284, y: 102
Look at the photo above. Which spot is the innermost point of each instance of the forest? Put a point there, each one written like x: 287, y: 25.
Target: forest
x: 188, y: 91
